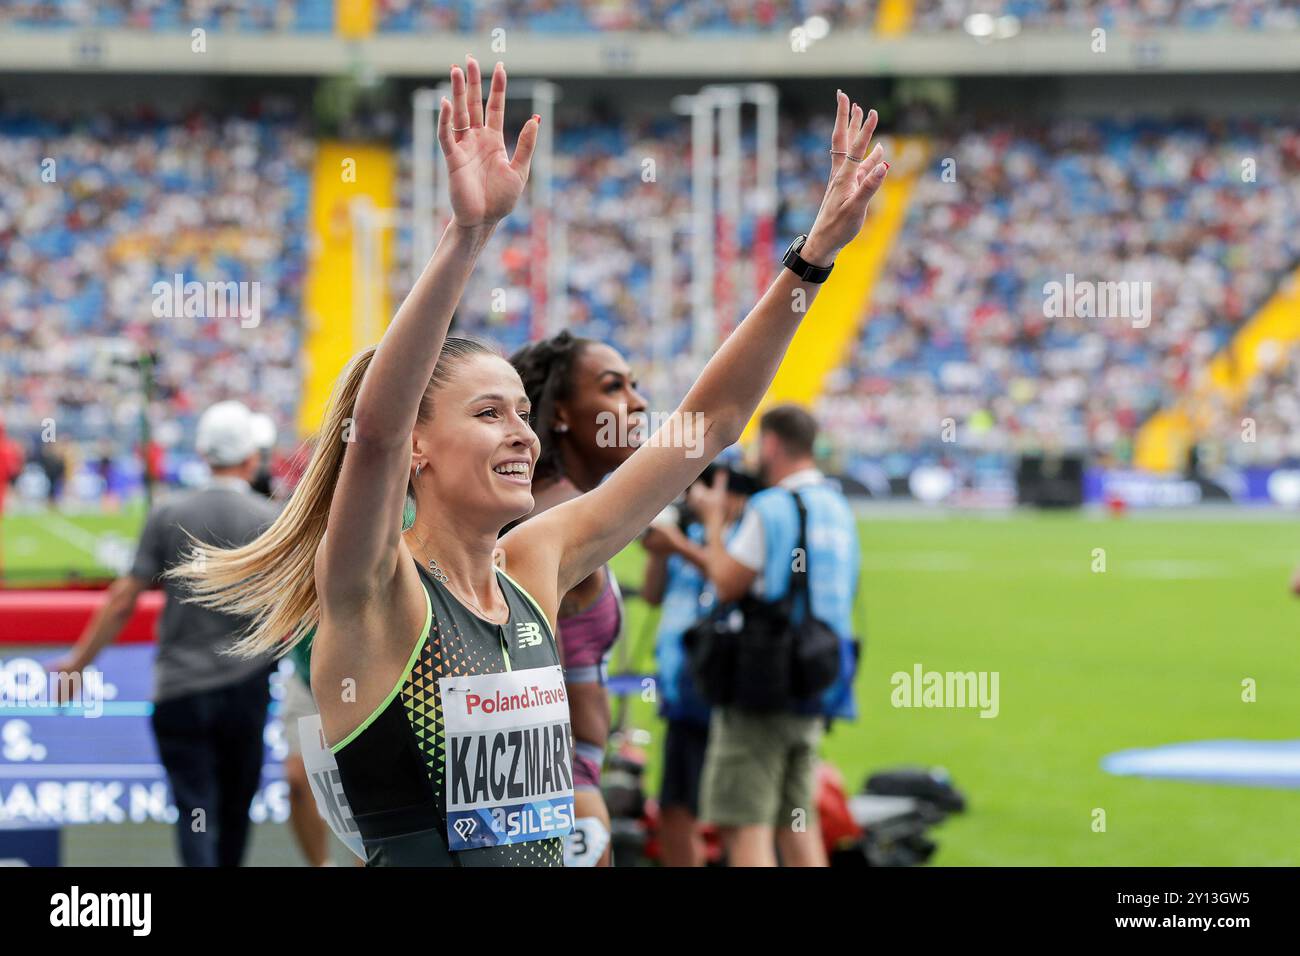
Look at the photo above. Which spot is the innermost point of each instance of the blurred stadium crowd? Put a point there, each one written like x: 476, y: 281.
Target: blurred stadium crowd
x: 956, y: 327
x: 675, y: 16
x: 126, y: 203
x: 934, y: 16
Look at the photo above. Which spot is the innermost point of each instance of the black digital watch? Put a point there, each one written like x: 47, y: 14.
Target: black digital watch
x: 802, y: 268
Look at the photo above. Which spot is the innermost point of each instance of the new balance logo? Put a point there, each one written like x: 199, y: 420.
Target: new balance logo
x: 528, y: 633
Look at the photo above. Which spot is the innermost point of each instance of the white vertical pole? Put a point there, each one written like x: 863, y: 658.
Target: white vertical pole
x: 727, y: 99
x: 702, y: 164
x: 424, y: 109
x: 441, y: 193
x: 363, y: 271
x: 661, y: 293
x: 369, y: 279
x: 547, y: 266
x: 766, y: 97
x: 703, y: 328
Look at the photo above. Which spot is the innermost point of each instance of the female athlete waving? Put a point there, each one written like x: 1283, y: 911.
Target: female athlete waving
x: 437, y: 673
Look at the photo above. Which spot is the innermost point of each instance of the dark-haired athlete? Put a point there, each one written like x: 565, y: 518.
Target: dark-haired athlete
x: 585, y: 401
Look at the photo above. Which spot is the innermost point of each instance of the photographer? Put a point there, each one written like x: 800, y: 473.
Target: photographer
x: 675, y: 582
x: 758, y: 780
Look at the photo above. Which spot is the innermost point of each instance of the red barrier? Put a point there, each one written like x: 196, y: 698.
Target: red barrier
x: 59, y: 617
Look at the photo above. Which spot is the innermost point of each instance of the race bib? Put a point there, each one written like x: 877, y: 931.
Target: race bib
x: 508, y: 765
x: 326, y: 787
x: 585, y: 845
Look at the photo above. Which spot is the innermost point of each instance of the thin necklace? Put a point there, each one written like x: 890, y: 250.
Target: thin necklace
x: 441, y: 576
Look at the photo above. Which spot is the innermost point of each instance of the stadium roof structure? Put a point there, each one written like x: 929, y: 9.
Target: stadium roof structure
x: 657, y: 55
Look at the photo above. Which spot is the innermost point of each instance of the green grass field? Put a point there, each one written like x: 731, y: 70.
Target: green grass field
x: 1153, y: 650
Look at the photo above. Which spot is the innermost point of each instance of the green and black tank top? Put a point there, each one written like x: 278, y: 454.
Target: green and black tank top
x: 391, y: 767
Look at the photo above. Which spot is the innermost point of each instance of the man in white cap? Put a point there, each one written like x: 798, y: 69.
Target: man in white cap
x: 209, y: 708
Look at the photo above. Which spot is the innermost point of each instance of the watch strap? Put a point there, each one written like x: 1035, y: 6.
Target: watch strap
x: 803, y: 268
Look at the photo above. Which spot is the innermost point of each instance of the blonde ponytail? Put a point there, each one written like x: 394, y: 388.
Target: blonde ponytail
x: 271, y: 580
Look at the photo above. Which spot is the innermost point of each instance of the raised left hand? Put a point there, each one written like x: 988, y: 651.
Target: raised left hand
x: 855, y: 177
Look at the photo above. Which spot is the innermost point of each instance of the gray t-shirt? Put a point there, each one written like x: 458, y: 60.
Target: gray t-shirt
x: 191, y: 638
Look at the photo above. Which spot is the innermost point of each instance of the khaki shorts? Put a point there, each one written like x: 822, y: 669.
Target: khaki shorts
x: 760, y: 769
x: 297, y: 703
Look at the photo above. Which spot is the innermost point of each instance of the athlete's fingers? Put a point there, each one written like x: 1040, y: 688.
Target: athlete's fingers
x: 445, y: 136
x: 869, y: 161
x: 852, y: 126
x: 496, y: 104
x: 475, y: 92
x: 459, y: 103
x: 840, y: 137
x: 524, y: 148
x: 863, y: 135
x: 862, y: 170
x: 869, y: 128
x: 867, y: 169
x: 870, y: 183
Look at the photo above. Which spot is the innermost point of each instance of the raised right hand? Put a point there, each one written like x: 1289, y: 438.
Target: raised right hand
x: 484, y: 183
